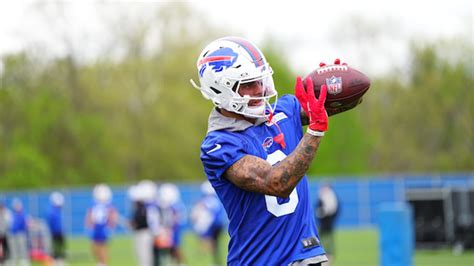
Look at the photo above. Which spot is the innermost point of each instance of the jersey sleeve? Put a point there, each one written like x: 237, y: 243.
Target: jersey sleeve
x: 291, y: 107
x: 219, y: 151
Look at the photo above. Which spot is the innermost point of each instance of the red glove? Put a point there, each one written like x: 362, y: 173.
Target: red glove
x: 314, y: 108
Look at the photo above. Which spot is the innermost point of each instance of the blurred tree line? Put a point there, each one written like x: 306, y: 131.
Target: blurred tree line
x: 66, y: 122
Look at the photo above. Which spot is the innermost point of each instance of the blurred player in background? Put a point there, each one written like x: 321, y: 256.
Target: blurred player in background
x: 256, y: 155
x: 19, y: 235
x: 139, y: 225
x: 101, y: 218
x: 5, y: 223
x: 207, y: 220
x: 327, y: 209
x: 55, y: 224
x: 144, y: 221
x: 173, y: 218
x: 39, y: 241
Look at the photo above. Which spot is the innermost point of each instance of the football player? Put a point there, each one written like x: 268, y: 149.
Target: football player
x: 207, y: 220
x: 19, y: 234
x: 55, y: 224
x: 144, y: 221
x: 100, y: 219
x: 173, y: 219
x: 255, y: 155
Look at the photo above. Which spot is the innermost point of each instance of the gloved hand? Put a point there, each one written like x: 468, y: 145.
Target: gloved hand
x: 314, y: 108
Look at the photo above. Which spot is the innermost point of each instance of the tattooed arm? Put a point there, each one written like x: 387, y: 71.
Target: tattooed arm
x: 254, y: 174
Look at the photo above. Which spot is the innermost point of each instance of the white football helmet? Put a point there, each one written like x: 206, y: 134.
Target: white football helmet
x: 168, y: 195
x: 56, y: 198
x: 146, y: 190
x: 102, y: 193
x: 227, y: 63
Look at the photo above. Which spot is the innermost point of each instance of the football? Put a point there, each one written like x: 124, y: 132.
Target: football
x: 345, y: 85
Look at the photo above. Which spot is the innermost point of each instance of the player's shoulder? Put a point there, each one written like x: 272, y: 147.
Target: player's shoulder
x: 287, y: 100
x: 221, y: 140
x: 287, y: 104
x: 288, y: 97
x: 220, y: 136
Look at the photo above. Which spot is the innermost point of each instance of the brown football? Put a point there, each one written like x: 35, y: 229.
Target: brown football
x: 345, y: 84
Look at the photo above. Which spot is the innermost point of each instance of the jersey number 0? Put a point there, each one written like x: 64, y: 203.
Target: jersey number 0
x: 271, y: 201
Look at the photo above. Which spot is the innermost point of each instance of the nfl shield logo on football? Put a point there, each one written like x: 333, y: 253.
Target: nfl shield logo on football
x: 334, y: 85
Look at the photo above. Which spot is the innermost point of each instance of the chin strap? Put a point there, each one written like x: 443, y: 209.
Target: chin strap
x: 280, y: 138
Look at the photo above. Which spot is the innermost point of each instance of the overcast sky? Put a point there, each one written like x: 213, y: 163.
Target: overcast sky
x: 309, y: 31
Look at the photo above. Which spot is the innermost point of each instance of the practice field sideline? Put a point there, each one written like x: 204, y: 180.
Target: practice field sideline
x: 353, y: 247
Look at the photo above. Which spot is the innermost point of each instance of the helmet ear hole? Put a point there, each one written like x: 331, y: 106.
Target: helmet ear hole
x: 234, y: 88
x: 227, y: 83
x: 216, y: 91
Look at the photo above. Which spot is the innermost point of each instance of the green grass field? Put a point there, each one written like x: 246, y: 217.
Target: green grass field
x: 353, y: 247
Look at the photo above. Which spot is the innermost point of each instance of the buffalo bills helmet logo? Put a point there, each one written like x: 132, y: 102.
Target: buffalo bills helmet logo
x: 218, y: 60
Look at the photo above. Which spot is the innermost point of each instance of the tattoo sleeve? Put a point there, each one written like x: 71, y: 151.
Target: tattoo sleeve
x: 254, y: 174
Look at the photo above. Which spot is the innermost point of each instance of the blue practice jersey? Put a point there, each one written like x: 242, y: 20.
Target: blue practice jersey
x: 215, y: 208
x: 19, y: 223
x: 208, y: 216
x: 54, y: 219
x: 100, y: 218
x: 174, y: 219
x: 264, y: 230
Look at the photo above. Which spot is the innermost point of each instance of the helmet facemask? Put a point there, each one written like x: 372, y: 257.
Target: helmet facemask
x: 254, y: 98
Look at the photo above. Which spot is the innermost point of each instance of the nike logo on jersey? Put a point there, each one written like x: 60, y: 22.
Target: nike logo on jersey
x: 217, y: 147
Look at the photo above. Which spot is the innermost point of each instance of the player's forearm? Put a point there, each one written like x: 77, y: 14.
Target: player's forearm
x: 284, y: 176
x: 254, y: 174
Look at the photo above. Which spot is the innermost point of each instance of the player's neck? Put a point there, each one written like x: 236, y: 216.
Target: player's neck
x: 236, y: 116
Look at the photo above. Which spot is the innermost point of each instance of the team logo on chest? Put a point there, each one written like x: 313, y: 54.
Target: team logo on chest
x: 267, y: 143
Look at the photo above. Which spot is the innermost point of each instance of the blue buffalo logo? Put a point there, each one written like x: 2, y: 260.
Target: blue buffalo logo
x: 218, y: 60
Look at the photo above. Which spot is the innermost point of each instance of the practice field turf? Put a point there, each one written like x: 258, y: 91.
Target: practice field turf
x: 353, y: 247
